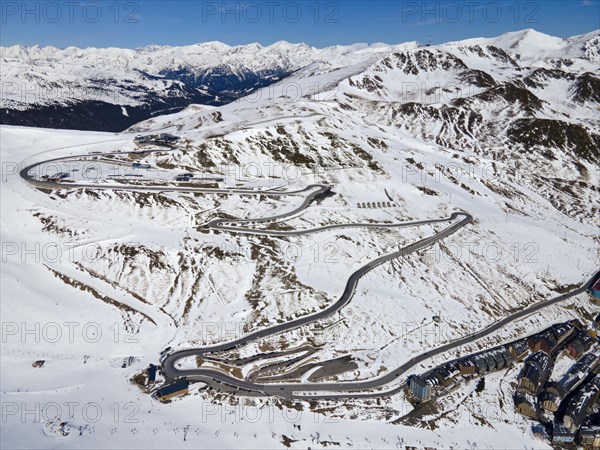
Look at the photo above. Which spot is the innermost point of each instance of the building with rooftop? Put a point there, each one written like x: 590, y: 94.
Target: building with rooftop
x: 518, y: 349
x: 552, y: 338
x: 151, y: 373
x: 542, y: 343
x: 526, y: 404
x: 540, y: 432
x: 555, y: 392
x: 535, y: 372
x: 589, y: 437
x: 580, y: 343
x: 497, y: 358
x: 446, y: 375
x: 580, y: 405
x: 421, y: 388
x: 561, y: 435
x: 467, y: 367
x: 176, y: 389
x: 141, y: 139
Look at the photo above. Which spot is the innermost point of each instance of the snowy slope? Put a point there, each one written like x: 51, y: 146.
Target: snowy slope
x: 142, y: 264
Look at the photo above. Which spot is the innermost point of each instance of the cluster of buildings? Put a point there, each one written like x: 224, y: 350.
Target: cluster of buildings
x: 551, y: 339
x: 156, y: 139
x: 423, y: 387
x: 497, y: 358
x: 571, y: 402
x: 531, y: 379
x: 580, y: 406
x: 556, y: 391
x: 579, y: 424
x: 534, y: 394
x: 538, y: 366
x: 565, y: 408
x: 175, y: 389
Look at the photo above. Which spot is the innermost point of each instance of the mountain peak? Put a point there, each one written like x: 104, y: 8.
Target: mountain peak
x: 532, y: 44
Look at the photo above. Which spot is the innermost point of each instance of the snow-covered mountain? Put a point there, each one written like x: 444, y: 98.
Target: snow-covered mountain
x: 504, y: 128
x: 523, y: 89
x: 112, y: 88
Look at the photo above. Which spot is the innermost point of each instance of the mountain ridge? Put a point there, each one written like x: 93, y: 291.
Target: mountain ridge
x: 111, y: 89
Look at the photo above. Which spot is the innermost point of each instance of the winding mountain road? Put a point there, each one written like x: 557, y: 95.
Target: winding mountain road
x: 375, y: 387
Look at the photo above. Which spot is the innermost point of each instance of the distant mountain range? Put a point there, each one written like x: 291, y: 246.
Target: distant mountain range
x: 111, y: 89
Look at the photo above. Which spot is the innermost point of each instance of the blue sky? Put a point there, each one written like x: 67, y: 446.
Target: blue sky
x: 318, y: 23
